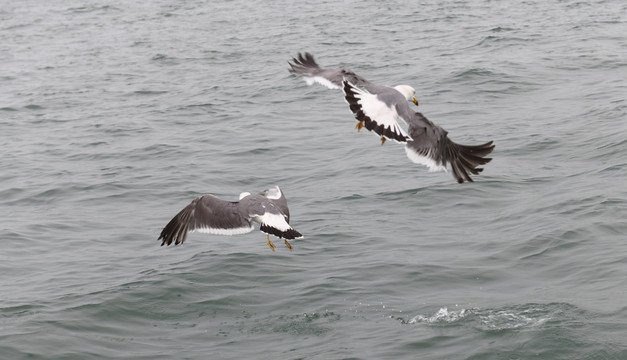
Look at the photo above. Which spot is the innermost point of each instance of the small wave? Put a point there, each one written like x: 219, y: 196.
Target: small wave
x: 509, y: 319
x: 502, y: 41
x: 150, y: 92
x: 160, y: 57
x: 501, y: 29
x: 491, y: 80
x: 475, y: 72
x: 314, y: 323
x: 352, y: 197
x: 88, y: 9
x: 163, y: 58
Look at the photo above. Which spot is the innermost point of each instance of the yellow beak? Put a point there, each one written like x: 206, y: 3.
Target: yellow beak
x: 415, y: 101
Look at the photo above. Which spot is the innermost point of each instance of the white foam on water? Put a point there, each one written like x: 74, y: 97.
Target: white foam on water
x: 489, y: 319
x: 442, y: 316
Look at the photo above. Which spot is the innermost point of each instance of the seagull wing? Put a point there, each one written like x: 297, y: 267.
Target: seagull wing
x: 304, y: 64
x: 431, y: 146
x: 377, y: 109
x: 207, y: 214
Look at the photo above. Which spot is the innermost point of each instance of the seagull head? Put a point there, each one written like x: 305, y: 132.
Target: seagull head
x: 243, y: 195
x: 408, y: 92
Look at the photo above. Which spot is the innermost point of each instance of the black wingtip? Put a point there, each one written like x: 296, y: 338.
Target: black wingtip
x: 303, y: 63
x: 177, y: 229
x: 465, y: 159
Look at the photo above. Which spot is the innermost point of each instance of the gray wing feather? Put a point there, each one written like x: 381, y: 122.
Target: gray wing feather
x: 215, y: 213
x: 428, y: 137
x: 304, y: 64
x: 254, y: 205
x: 431, y: 141
x: 204, y: 212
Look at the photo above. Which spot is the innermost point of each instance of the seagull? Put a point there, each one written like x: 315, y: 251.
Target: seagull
x: 429, y: 144
x: 209, y: 214
x: 378, y: 108
x: 382, y: 121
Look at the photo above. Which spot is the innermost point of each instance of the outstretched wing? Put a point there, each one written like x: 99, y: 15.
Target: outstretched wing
x: 304, y: 64
x: 206, y: 214
x: 431, y: 146
x: 377, y: 109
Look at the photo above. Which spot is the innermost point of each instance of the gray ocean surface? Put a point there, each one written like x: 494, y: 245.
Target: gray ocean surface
x: 114, y: 115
